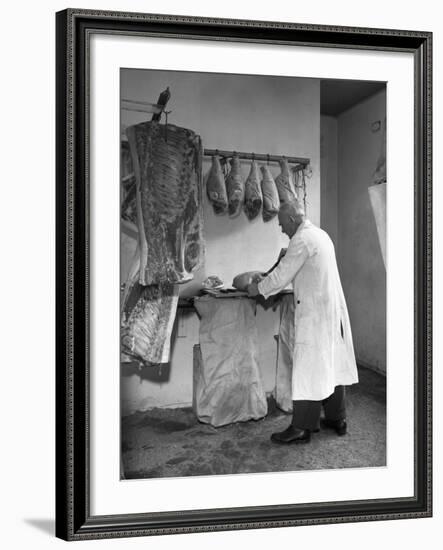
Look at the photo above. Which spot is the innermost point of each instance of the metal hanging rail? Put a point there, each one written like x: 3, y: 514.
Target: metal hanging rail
x: 140, y: 106
x: 256, y: 156
x: 156, y: 109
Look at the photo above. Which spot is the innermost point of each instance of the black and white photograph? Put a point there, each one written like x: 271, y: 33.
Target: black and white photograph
x: 252, y: 274
x: 243, y: 274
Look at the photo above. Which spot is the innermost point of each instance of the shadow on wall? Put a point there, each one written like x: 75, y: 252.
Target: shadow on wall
x: 362, y: 268
x: 158, y: 374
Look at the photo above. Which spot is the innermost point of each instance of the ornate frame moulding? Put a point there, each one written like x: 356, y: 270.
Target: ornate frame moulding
x: 74, y: 30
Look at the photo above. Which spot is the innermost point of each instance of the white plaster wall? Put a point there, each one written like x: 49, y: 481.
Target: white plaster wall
x: 360, y: 260
x: 276, y: 115
x: 329, y: 176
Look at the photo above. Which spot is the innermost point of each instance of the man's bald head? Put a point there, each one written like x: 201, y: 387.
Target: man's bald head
x: 294, y: 208
x: 290, y: 216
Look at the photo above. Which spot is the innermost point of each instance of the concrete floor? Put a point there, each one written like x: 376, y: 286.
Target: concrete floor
x: 173, y: 443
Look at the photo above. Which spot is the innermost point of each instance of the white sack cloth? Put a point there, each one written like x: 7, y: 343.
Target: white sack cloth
x: 323, y: 355
x: 285, y: 352
x: 229, y: 386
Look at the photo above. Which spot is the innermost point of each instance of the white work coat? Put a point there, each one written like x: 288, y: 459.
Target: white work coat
x: 323, y: 352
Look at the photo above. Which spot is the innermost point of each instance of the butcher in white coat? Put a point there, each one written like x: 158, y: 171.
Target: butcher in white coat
x: 323, y: 352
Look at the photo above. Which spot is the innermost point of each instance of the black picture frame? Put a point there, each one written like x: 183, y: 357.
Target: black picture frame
x: 74, y: 28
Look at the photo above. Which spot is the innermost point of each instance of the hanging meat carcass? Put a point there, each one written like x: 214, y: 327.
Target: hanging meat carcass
x: 128, y: 187
x: 253, y: 193
x: 235, y: 188
x: 271, y: 201
x: 147, y: 320
x: 285, y: 185
x: 215, y: 187
x: 167, y: 164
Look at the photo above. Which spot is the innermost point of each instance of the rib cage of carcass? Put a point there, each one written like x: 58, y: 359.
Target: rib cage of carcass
x: 167, y: 163
x: 168, y: 195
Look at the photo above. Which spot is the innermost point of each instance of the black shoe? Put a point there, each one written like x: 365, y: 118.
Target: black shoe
x: 339, y: 426
x: 291, y: 435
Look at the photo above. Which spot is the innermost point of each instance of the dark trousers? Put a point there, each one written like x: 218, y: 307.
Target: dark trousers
x: 306, y: 414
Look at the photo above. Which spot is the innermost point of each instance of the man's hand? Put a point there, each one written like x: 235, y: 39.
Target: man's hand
x: 253, y: 290
x: 258, y: 277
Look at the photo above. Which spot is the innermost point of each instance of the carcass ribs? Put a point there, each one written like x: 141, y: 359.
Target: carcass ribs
x: 167, y: 163
x: 147, y: 320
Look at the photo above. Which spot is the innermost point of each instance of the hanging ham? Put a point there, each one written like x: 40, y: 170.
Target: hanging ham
x: 271, y: 201
x: 215, y: 187
x: 285, y: 185
x: 235, y: 188
x: 253, y: 193
x: 167, y: 165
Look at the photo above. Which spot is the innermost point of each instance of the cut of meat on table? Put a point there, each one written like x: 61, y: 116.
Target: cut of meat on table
x: 212, y: 282
x: 253, y: 193
x: 285, y: 185
x: 147, y: 321
x: 216, y: 188
x: 167, y: 163
x: 235, y: 188
x: 271, y: 201
x: 242, y: 280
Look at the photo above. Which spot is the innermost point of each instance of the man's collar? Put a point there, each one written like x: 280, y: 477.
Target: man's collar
x: 305, y: 223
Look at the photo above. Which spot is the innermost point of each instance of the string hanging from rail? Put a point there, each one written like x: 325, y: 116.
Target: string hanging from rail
x: 156, y: 109
x: 300, y: 182
x: 304, y: 189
